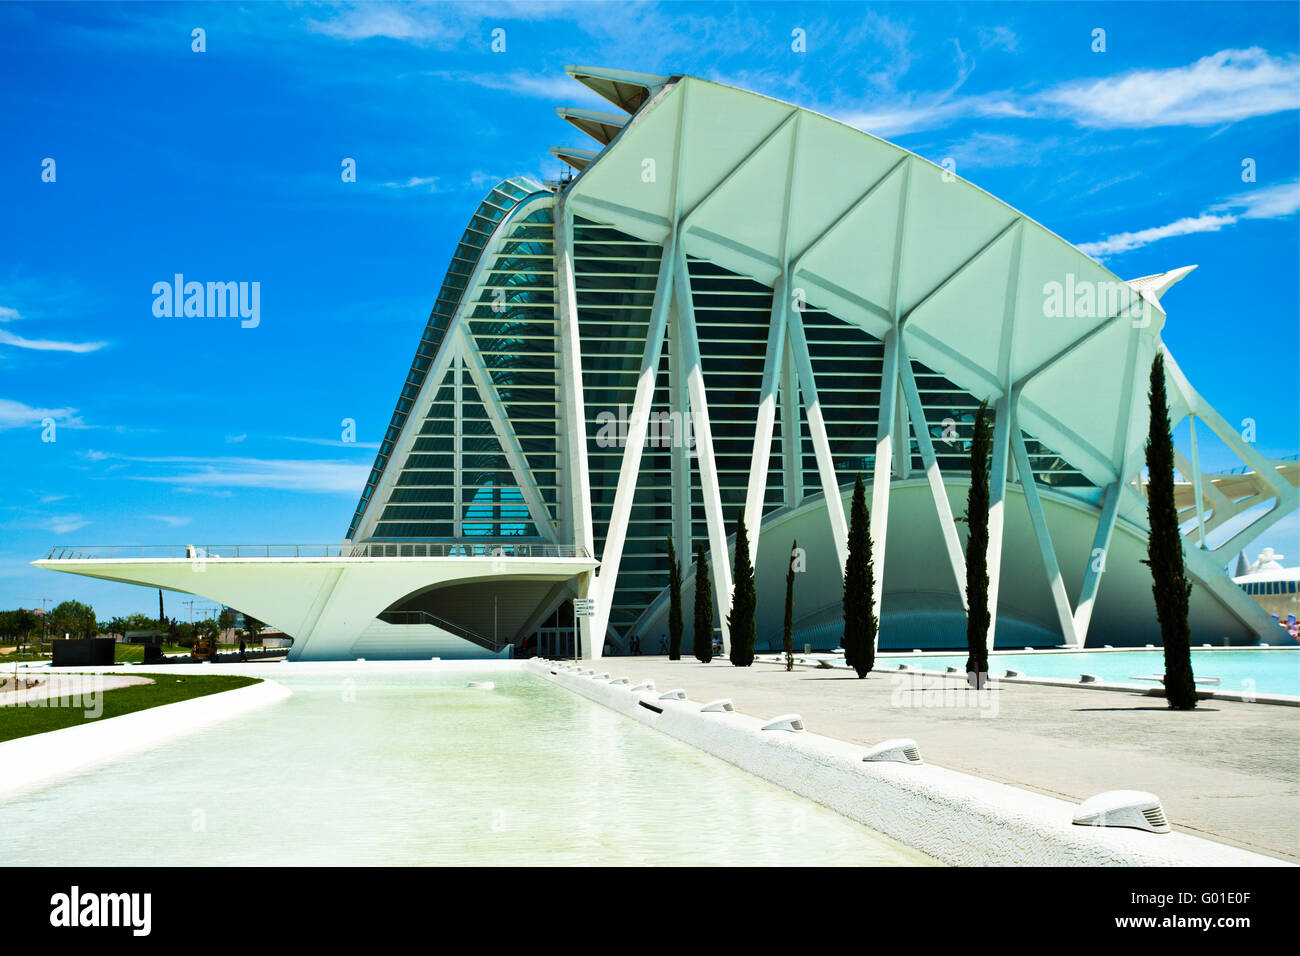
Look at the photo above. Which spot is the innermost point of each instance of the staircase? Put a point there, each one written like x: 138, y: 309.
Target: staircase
x: 407, y: 618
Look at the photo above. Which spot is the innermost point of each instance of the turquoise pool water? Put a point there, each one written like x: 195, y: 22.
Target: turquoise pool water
x: 1265, y: 671
x: 367, y: 766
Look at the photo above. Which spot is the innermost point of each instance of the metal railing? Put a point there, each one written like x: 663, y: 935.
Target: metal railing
x: 424, y: 617
x: 368, y: 549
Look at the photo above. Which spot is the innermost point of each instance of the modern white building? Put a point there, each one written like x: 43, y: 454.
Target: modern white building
x: 736, y: 306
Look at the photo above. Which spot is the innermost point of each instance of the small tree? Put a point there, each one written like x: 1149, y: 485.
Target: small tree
x: 859, y: 603
x: 787, y: 627
x: 1169, y: 583
x: 252, y: 626
x: 744, y: 601
x: 977, y: 550
x: 74, y: 619
x: 703, y: 607
x: 675, y: 623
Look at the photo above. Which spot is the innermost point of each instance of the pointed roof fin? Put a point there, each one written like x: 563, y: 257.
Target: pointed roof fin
x: 625, y: 90
x: 1157, y: 285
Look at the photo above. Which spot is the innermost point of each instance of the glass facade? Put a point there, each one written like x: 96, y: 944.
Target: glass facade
x: 495, y: 206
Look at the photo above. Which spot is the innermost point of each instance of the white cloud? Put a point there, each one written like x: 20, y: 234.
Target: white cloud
x: 335, y: 442
x: 556, y: 86
x: 1124, y: 241
x: 199, y: 474
x: 17, y: 415
x: 1223, y: 87
x: 415, y: 182
x: 48, y: 345
x: 64, y: 524
x: 41, y: 345
x: 235, y: 439
x: 369, y: 20
x: 1271, y: 202
x: 172, y: 521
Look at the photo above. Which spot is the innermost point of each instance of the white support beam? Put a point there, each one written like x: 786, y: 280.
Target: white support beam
x: 458, y: 438
x: 791, y: 432
x: 1196, y: 482
x: 1056, y: 584
x: 997, y: 507
x: 1002, y: 430
x: 882, y: 472
x: 821, y: 444
x: 577, y: 478
x: 683, y: 437
x: 942, y: 507
x: 1096, y: 561
x: 704, y: 457
x: 505, y: 433
x: 634, y: 444
x: 765, y: 422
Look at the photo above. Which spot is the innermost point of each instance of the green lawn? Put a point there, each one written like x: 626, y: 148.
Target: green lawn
x: 166, y: 689
x: 134, y: 653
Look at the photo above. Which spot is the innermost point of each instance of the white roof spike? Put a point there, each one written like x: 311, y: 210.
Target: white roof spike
x: 1157, y: 285
x: 624, y: 89
x: 577, y: 158
x: 602, y: 127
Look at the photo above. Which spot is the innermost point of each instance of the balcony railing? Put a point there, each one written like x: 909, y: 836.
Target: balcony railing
x: 368, y: 549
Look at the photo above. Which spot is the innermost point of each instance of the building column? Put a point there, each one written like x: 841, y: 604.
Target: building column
x: 574, y: 418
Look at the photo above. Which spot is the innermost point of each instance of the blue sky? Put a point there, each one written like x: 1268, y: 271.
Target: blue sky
x: 225, y: 165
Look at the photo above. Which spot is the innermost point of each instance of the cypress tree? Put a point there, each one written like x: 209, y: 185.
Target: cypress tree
x: 977, y: 550
x: 1169, y: 583
x: 859, y: 588
x: 787, y: 629
x: 703, y: 608
x: 675, y: 623
x: 744, y: 600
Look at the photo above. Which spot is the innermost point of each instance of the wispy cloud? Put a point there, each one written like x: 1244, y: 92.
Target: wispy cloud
x: 17, y: 415
x: 1223, y: 87
x: 334, y: 442
x: 558, y: 86
x: 40, y: 345
x: 172, y: 521
x: 64, y: 524
x: 442, y: 25
x: 416, y: 182
x: 197, y: 474
x: 1273, y: 202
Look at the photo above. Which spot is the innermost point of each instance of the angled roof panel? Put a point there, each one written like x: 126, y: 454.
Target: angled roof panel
x: 577, y: 158
x: 602, y: 127
x: 628, y: 91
